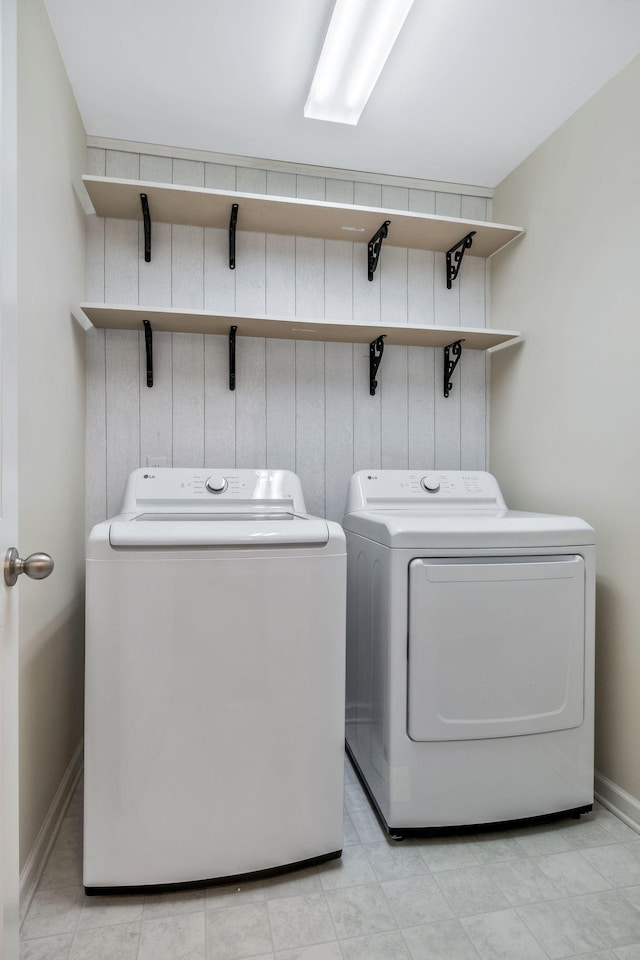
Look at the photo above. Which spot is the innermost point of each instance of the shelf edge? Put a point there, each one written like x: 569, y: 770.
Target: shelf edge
x: 174, y: 319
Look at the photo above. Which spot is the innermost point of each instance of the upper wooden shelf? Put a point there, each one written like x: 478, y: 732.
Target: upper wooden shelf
x: 173, y: 319
x: 201, y: 207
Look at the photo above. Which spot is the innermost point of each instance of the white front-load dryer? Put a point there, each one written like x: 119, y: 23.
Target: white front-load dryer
x: 215, y: 648
x: 470, y: 652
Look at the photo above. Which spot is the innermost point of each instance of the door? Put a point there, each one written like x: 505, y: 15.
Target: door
x: 9, y: 864
x: 496, y: 646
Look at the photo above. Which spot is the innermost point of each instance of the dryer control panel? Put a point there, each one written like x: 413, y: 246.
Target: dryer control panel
x: 396, y: 489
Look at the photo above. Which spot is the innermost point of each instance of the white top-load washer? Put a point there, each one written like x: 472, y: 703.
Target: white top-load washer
x: 470, y: 652
x: 215, y: 648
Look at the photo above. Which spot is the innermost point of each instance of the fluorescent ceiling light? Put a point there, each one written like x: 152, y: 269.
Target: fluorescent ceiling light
x: 358, y: 42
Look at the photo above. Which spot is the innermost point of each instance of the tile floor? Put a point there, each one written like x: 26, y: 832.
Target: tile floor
x: 569, y: 889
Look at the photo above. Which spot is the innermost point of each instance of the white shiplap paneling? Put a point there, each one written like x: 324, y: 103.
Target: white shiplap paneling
x: 122, y: 415
x: 447, y: 310
x: 96, y: 446
x: 156, y: 403
x: 473, y: 365
x: 338, y: 362
x: 219, y: 405
x: 297, y: 405
x: 280, y: 264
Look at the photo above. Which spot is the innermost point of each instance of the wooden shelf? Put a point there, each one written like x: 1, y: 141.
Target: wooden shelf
x: 306, y: 218
x: 201, y: 321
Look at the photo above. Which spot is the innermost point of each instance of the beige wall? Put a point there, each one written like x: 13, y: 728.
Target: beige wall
x: 51, y: 257
x: 565, y: 405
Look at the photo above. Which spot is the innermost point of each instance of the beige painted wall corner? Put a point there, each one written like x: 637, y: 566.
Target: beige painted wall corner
x: 564, y: 404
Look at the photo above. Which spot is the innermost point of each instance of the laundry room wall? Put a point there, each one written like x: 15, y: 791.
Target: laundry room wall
x: 298, y: 405
x: 564, y: 423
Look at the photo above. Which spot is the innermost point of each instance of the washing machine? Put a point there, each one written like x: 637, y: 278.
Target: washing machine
x: 215, y: 650
x: 470, y: 652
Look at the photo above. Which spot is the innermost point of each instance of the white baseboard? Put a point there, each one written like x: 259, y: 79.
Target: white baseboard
x: 614, y: 798
x: 30, y: 875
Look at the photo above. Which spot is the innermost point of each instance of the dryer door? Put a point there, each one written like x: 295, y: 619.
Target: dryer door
x: 496, y: 646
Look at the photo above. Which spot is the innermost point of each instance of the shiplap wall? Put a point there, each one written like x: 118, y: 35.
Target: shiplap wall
x: 299, y: 406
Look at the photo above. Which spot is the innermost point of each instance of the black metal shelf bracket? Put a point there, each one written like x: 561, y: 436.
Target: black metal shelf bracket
x: 454, y: 349
x: 147, y: 227
x: 375, y: 246
x: 455, y: 255
x: 232, y: 357
x: 232, y: 237
x: 376, y: 349
x: 148, y: 342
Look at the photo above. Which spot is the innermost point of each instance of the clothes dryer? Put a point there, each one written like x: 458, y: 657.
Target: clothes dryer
x: 214, y: 744
x: 470, y: 652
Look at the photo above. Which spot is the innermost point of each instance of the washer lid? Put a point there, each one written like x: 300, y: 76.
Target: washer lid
x: 464, y: 528
x: 250, y: 529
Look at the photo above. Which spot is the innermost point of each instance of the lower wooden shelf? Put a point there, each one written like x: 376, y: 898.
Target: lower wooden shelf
x: 176, y: 320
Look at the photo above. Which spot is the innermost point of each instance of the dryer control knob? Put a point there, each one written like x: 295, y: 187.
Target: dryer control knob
x: 430, y: 484
x: 216, y: 484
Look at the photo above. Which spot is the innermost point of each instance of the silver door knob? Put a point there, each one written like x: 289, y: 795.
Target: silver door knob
x: 37, y: 566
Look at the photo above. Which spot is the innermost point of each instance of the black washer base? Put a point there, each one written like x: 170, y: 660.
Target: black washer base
x: 217, y: 881
x: 403, y: 833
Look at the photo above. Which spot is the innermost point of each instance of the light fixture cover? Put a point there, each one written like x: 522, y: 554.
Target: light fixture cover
x: 359, y: 39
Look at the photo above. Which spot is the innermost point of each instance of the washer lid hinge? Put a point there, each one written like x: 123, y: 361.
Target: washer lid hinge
x: 147, y: 227
x: 232, y: 236
x: 376, y: 349
x: 148, y: 342
x: 375, y: 245
x: 454, y: 349
x: 453, y: 263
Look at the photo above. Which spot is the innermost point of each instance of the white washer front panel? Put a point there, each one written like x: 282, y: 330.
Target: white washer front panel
x: 496, y: 646
x: 214, y: 738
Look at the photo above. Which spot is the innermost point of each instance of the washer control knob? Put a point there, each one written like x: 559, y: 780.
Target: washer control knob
x: 216, y: 484
x: 430, y: 484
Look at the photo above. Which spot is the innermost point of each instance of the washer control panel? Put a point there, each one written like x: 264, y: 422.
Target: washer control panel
x: 398, y: 489
x: 162, y: 486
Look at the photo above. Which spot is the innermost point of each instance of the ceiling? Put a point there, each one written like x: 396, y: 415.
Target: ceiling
x: 470, y: 89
